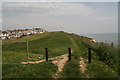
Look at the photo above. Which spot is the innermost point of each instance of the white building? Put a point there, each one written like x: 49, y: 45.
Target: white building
x: 20, y: 33
x: 4, y: 34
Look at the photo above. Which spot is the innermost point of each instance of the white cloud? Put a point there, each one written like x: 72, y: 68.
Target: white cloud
x: 43, y: 9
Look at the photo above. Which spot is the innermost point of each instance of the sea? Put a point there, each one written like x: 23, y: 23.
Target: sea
x: 106, y: 37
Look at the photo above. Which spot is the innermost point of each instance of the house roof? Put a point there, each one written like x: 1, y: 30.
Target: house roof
x: 17, y: 30
x: 4, y: 32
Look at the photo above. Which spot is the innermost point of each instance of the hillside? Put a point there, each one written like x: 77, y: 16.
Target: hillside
x: 104, y: 57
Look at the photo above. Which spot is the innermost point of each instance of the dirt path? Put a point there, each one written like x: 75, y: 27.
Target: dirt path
x: 60, y: 62
x: 56, y: 60
x: 31, y: 62
x: 83, y: 66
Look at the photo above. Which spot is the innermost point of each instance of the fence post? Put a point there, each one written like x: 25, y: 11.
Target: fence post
x: 46, y: 52
x: 27, y: 52
x: 89, y: 55
x: 69, y: 53
x: 112, y: 44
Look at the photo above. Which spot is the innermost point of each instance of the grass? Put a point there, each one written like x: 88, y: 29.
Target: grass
x: 41, y: 70
x: 101, y: 70
x: 29, y: 38
x: 15, y: 53
x: 72, y: 69
x: 57, y: 44
x: 11, y: 57
x: 98, y: 68
x: 104, y: 60
x: 105, y: 53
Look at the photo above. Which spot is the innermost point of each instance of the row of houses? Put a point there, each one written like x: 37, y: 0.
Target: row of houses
x: 18, y: 33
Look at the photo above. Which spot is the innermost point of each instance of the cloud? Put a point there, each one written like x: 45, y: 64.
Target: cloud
x: 71, y: 17
x: 34, y: 0
x: 46, y: 9
x: 60, y: 0
x: 0, y: 20
x: 0, y: 23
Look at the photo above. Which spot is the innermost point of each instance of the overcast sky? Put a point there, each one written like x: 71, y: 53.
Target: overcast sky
x: 60, y: 0
x: 76, y: 17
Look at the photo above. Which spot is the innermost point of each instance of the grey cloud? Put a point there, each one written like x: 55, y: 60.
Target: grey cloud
x: 70, y: 17
x: 60, y: 0
x: 43, y: 9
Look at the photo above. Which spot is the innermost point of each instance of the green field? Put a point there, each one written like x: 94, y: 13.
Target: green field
x: 104, y: 57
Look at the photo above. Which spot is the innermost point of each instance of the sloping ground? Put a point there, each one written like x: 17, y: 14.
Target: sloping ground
x: 59, y: 61
x: 56, y: 60
x: 80, y: 55
x: 14, y: 53
x: 19, y: 71
x: 58, y: 67
x: 56, y: 42
x: 72, y: 68
x: 83, y: 67
x: 30, y: 37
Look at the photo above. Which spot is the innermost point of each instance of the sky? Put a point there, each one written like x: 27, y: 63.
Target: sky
x: 60, y: 0
x: 75, y: 17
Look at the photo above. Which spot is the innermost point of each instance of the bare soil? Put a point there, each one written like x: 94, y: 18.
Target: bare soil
x: 59, y: 61
x: 83, y: 66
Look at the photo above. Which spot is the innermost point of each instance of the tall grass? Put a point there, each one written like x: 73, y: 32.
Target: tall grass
x: 105, y: 53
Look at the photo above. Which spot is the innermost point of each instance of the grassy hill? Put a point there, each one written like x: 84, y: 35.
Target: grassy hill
x: 104, y: 57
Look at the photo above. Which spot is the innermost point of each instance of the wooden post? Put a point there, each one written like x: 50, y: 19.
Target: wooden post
x: 101, y: 42
x: 69, y: 54
x: 27, y: 52
x: 112, y: 44
x: 46, y: 52
x: 89, y: 55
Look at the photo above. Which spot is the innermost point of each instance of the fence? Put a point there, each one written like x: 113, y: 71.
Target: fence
x: 47, y: 55
x: 26, y: 42
x: 69, y: 54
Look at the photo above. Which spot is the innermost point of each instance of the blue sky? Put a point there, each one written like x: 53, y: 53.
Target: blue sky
x: 76, y: 17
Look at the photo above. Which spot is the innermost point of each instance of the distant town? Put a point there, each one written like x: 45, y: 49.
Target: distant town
x: 19, y: 33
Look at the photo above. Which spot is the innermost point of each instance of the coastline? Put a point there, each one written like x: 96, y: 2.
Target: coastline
x: 106, y: 38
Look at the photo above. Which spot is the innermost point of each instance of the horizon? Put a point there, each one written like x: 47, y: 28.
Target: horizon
x: 63, y: 31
